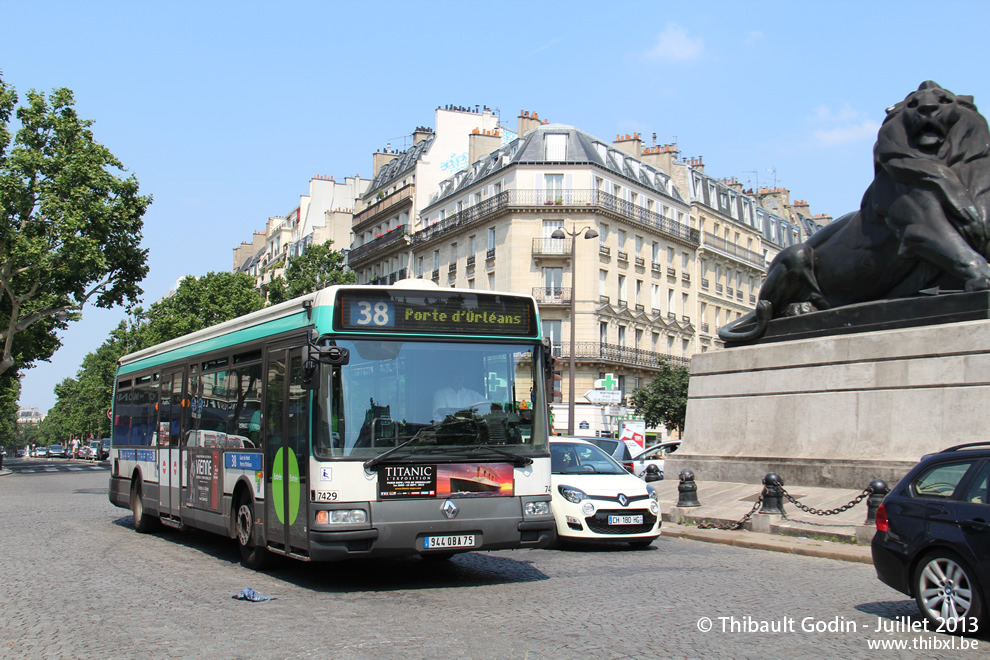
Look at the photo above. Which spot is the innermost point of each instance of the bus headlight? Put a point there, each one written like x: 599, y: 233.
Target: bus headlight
x: 341, y: 516
x: 572, y: 495
x: 536, y: 508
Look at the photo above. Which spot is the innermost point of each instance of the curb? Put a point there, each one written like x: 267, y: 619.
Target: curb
x: 774, y: 543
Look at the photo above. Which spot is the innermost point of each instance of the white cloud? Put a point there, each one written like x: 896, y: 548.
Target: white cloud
x: 866, y: 129
x: 674, y: 43
x: 753, y: 37
x: 845, y: 113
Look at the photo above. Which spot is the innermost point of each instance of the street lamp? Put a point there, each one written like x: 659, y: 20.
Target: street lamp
x: 560, y: 232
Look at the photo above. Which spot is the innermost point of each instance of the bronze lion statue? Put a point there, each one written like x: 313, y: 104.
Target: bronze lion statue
x: 922, y: 222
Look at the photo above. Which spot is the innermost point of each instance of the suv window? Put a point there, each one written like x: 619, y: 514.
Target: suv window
x: 977, y: 492
x: 940, y: 481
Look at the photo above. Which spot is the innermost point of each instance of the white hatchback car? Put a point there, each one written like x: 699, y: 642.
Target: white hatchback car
x: 596, y: 499
x: 654, y: 455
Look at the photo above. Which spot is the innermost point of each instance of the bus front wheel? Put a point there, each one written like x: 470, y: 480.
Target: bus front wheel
x: 143, y: 523
x: 252, y: 555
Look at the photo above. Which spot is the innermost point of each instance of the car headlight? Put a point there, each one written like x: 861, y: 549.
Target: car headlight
x: 572, y: 494
x: 536, y: 508
x: 653, y: 493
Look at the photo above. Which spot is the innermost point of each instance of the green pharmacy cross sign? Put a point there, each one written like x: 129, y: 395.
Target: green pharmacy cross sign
x: 608, y: 382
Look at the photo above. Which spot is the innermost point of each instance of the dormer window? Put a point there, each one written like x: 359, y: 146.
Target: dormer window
x: 555, y: 146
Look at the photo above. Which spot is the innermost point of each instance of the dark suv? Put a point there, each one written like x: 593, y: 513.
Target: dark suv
x: 933, y: 538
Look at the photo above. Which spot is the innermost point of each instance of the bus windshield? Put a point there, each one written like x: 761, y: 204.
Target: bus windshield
x: 441, y: 396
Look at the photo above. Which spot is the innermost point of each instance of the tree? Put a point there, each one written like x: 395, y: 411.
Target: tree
x: 70, y: 225
x: 664, y: 399
x: 277, y: 290
x: 200, y: 303
x: 316, y: 268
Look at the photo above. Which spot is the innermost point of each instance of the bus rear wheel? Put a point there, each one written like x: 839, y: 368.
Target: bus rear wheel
x: 253, y: 556
x: 143, y: 523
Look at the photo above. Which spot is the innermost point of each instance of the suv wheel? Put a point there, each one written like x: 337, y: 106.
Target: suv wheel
x: 946, y: 590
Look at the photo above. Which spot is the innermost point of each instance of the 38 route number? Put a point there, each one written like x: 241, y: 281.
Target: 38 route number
x: 369, y: 313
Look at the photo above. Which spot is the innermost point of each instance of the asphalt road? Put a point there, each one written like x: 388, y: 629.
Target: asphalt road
x: 78, y: 582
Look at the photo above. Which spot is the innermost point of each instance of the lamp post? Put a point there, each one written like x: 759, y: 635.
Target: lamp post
x: 560, y: 232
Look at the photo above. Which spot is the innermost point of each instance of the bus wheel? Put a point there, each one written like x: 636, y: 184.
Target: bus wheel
x: 252, y: 556
x: 143, y: 523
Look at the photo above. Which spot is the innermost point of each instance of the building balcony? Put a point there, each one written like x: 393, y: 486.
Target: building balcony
x: 490, y: 254
x: 552, y: 295
x: 452, y: 268
x: 671, y: 271
x: 640, y: 261
x: 354, y: 255
x: 724, y: 247
x: 704, y: 284
x: 619, y: 355
x: 385, y: 204
x: 718, y: 288
x: 728, y: 291
x: 566, y: 201
x: 686, y: 277
x: 640, y: 308
x: 604, y: 250
x: 470, y: 261
x: 704, y: 328
x: 739, y: 294
x: 552, y: 247
x: 622, y: 256
x: 656, y: 267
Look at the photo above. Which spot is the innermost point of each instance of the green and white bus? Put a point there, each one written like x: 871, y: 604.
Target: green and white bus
x: 357, y: 421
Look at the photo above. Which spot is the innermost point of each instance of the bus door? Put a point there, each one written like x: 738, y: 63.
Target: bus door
x: 169, y: 459
x: 286, y: 441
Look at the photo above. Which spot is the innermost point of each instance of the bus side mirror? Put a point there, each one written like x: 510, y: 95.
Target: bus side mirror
x: 314, y: 356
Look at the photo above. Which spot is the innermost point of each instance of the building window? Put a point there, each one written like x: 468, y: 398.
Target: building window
x: 602, y: 279
x: 419, y: 266
x: 491, y: 238
x: 603, y: 332
x: 555, y: 145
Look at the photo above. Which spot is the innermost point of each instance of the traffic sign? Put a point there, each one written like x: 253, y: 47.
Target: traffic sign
x: 603, y: 396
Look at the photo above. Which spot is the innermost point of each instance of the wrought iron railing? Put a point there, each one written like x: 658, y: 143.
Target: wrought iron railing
x: 613, y: 353
x: 552, y: 198
x: 733, y: 250
x: 552, y: 295
x: 552, y: 247
x: 399, y: 195
x: 377, y: 243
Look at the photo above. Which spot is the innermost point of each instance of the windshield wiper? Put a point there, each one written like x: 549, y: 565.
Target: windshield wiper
x: 372, y: 463
x: 516, y: 458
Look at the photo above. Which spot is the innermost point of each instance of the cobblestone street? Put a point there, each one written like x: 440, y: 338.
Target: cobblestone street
x: 79, y: 582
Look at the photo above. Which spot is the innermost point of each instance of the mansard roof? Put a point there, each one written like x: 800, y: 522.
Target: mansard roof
x: 582, y: 149
x: 404, y: 162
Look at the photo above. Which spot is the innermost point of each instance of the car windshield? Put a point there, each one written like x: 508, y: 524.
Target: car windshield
x: 579, y: 458
x: 442, y: 398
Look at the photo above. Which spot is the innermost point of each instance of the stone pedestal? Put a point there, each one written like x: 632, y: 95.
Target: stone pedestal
x: 836, y: 411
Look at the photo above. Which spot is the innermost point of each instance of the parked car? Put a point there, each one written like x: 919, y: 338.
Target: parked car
x: 595, y: 499
x: 39, y: 452
x: 104, y: 449
x: 931, y: 539
x: 92, y: 451
x: 56, y: 451
x: 617, y: 449
x: 653, y: 455
x: 21, y: 452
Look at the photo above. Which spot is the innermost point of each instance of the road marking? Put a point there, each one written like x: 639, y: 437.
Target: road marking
x: 74, y: 468
x: 51, y: 469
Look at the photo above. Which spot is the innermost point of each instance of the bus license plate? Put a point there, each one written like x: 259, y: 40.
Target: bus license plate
x: 625, y: 520
x: 456, y: 541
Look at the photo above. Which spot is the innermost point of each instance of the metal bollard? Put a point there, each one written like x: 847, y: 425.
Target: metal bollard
x: 773, y: 497
x: 653, y: 473
x: 687, y: 490
x: 878, y: 489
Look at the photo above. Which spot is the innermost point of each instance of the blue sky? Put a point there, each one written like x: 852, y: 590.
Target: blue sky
x: 224, y: 111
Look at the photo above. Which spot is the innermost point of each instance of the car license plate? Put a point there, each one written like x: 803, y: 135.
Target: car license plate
x: 454, y: 541
x: 625, y: 520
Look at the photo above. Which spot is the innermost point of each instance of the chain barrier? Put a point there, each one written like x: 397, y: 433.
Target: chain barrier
x: 790, y: 498
x: 829, y: 512
x: 739, y: 523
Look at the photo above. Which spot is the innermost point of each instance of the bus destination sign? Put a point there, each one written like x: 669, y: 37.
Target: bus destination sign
x: 435, y: 313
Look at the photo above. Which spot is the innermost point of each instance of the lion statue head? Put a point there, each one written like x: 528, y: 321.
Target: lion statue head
x: 933, y: 122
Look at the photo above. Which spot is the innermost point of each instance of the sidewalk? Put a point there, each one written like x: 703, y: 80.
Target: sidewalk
x: 840, y: 536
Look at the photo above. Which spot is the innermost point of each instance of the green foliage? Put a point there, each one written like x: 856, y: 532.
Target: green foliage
x: 664, y: 399
x: 70, y: 225
x: 200, y: 303
x: 277, y: 291
x: 316, y: 268
x: 10, y: 391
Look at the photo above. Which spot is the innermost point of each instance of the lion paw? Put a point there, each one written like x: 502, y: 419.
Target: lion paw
x: 981, y: 283
x: 797, y: 309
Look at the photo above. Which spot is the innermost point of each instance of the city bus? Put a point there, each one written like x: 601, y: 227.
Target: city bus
x: 356, y: 421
